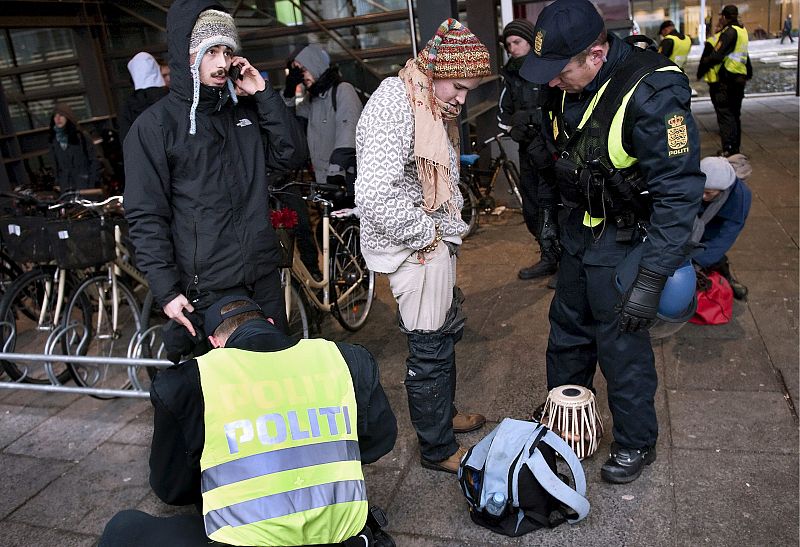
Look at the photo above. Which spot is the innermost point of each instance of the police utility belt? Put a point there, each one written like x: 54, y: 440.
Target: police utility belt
x: 607, y: 194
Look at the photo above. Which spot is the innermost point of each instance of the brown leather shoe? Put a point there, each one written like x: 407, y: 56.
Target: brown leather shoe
x: 463, y: 423
x: 450, y: 465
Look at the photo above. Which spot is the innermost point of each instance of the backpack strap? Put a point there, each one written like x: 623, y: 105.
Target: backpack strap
x: 574, y: 499
x: 530, y: 446
x: 503, y: 453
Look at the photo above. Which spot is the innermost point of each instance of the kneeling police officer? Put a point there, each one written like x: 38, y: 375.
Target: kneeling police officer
x: 628, y: 173
x: 267, y: 435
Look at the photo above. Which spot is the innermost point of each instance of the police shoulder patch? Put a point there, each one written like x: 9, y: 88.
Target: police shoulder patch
x: 677, y: 134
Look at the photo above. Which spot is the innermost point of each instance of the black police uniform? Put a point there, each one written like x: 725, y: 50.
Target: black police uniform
x: 583, y: 319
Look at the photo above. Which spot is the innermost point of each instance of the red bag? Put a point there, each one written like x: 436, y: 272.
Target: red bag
x: 714, y: 305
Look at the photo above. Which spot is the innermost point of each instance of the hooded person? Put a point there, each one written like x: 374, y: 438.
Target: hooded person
x: 197, y: 168
x: 148, y: 88
x: 331, y: 108
x: 407, y: 144
x: 722, y: 216
x: 520, y: 114
x: 75, y: 164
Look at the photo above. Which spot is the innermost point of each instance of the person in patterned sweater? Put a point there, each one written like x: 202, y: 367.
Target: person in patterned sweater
x: 407, y: 147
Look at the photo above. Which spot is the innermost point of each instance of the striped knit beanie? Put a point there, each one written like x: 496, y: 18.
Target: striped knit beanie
x: 212, y: 28
x: 519, y: 27
x: 454, y: 52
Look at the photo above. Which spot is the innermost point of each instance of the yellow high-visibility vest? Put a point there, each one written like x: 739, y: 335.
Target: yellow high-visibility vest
x: 736, y: 61
x: 280, y: 463
x: 680, y: 49
x: 712, y: 76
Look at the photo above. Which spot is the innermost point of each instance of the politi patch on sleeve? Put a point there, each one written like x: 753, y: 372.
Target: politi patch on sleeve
x: 677, y: 134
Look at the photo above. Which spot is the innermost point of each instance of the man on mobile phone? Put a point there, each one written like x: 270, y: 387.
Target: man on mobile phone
x: 197, y: 168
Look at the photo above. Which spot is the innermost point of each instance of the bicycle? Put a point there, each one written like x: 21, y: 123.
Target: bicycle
x: 33, y: 307
x: 477, y: 184
x: 116, y: 320
x: 347, y: 287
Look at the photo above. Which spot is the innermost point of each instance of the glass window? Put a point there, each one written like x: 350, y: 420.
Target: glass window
x: 19, y: 118
x: 41, y: 111
x: 10, y: 84
x: 46, y: 79
x: 33, y: 46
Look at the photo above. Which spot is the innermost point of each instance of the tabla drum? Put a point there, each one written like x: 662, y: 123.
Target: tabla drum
x: 571, y: 411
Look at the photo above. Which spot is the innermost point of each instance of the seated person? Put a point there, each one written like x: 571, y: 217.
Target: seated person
x: 726, y: 203
x: 238, y: 429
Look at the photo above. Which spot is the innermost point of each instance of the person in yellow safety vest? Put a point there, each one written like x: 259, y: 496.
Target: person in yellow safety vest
x: 674, y: 44
x: 267, y: 435
x: 725, y: 65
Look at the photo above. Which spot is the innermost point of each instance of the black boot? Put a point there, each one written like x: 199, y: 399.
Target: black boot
x: 625, y: 464
x: 548, y: 265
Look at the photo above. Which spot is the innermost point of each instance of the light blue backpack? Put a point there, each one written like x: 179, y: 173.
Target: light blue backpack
x: 510, y: 481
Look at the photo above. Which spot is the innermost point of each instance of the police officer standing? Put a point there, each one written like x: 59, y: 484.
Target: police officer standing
x: 725, y: 65
x: 622, y: 126
x: 520, y: 114
x: 675, y: 45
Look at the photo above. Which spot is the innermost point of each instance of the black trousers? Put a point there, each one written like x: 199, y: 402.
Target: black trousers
x: 529, y: 190
x: 727, y: 96
x: 266, y: 291
x: 137, y: 529
x: 583, y: 332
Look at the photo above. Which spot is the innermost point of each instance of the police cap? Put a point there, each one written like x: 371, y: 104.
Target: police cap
x: 564, y: 29
x: 214, y: 316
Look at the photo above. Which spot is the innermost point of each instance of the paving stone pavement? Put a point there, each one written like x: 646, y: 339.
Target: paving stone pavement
x: 727, y: 468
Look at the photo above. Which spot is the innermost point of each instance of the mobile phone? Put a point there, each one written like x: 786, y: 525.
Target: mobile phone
x: 235, y: 73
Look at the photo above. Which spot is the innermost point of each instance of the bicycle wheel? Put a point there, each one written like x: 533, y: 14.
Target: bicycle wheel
x: 512, y: 175
x: 30, y: 312
x: 149, y: 345
x: 107, y: 337
x: 296, y: 315
x: 469, y: 211
x: 352, y: 284
x: 9, y: 272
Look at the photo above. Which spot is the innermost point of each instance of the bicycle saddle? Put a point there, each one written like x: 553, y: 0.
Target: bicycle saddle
x: 469, y: 159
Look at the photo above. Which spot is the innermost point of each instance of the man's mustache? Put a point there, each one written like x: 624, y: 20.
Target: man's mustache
x: 219, y: 73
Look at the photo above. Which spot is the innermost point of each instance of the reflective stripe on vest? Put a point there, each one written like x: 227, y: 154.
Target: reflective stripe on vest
x: 616, y: 151
x: 736, y: 61
x: 280, y: 462
x: 680, y: 49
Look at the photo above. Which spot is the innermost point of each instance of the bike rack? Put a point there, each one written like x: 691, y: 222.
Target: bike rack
x: 82, y: 360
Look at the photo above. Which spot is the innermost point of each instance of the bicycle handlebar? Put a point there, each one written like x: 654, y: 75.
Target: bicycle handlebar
x: 87, y: 204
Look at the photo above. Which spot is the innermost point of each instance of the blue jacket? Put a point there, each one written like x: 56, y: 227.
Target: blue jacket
x: 721, y: 232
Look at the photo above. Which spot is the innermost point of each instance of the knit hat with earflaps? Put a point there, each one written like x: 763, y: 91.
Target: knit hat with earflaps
x: 212, y: 28
x: 454, y: 52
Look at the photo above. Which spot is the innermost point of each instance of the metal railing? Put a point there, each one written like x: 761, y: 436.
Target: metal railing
x: 48, y: 360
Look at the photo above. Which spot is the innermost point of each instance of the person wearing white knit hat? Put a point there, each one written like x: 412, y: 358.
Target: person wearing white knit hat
x: 726, y: 204
x: 197, y: 167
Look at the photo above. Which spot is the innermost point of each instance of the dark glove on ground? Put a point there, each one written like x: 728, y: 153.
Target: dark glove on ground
x: 293, y: 79
x: 178, y: 341
x: 637, y: 309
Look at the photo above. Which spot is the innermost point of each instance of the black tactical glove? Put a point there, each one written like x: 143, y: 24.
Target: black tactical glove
x: 638, y: 307
x: 293, y: 79
x: 178, y: 341
x: 548, y: 224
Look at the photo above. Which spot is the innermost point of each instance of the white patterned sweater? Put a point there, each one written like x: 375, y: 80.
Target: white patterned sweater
x: 388, y: 190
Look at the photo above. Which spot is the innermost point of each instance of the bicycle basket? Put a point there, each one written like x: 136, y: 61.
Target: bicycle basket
x: 82, y: 243
x: 286, y: 239
x: 25, y: 239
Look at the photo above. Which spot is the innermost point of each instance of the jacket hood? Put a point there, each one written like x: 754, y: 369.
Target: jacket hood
x: 181, y: 17
x: 314, y: 59
x: 65, y: 110
x: 145, y: 71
